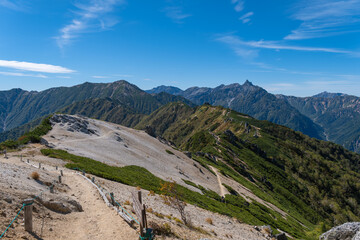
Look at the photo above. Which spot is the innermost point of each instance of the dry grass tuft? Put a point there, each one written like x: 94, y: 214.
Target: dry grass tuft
x: 209, y: 221
x: 35, y: 175
x: 161, y: 229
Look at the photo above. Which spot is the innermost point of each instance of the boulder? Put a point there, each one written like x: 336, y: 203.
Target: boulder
x: 62, y: 206
x: 281, y: 236
x: 357, y: 236
x: 347, y: 231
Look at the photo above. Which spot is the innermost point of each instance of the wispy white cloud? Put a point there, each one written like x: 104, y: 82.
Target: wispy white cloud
x: 323, y: 18
x: 18, y: 74
x: 34, y: 67
x: 100, y: 76
x: 246, y: 17
x: 238, y: 5
x: 243, y: 48
x: 93, y: 16
x: 17, y: 5
x: 66, y: 77
x: 176, y: 13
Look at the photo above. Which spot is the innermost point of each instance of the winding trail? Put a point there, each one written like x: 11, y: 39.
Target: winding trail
x: 222, y: 189
x: 97, y: 221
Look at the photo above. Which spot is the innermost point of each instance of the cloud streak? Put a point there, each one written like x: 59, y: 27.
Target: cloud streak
x: 246, y: 17
x: 17, y: 74
x: 243, y: 48
x: 238, y: 5
x: 90, y: 17
x: 34, y: 67
x: 324, y: 18
x: 13, y: 5
x: 176, y: 13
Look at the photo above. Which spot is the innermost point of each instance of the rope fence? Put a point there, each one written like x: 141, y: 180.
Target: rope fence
x: 124, y: 213
x: 24, y: 205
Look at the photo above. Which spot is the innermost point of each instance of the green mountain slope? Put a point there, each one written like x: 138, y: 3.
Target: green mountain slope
x: 252, y: 100
x: 107, y: 109
x: 338, y: 114
x: 18, y: 107
x: 313, y: 181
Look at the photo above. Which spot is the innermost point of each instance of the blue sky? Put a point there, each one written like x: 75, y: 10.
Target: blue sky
x: 299, y: 47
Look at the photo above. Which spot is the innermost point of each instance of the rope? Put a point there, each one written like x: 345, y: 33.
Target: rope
x: 14, y: 219
x: 124, y: 209
x: 24, y: 205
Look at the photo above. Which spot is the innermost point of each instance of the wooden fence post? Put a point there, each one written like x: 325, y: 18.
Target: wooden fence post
x: 139, y: 197
x: 140, y: 211
x: 28, y: 215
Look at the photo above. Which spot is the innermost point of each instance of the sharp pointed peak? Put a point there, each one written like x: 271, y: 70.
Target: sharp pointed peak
x: 247, y: 83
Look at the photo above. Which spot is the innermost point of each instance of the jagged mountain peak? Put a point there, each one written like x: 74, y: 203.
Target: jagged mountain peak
x: 247, y: 83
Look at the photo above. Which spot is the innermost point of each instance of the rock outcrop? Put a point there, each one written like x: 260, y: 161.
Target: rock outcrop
x: 74, y: 124
x: 347, y: 231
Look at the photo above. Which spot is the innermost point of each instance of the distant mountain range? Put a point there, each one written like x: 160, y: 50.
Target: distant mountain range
x: 327, y: 116
x: 18, y: 107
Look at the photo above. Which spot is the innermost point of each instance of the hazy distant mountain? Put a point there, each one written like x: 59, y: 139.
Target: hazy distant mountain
x: 254, y: 101
x: 167, y: 89
x: 337, y: 114
x: 18, y: 107
x: 328, y: 95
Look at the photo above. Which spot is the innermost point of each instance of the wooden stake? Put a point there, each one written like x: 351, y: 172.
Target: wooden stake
x: 28, y: 215
x: 139, y: 196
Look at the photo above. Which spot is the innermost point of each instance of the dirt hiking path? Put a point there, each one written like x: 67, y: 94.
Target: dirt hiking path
x: 97, y: 221
x: 222, y: 189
